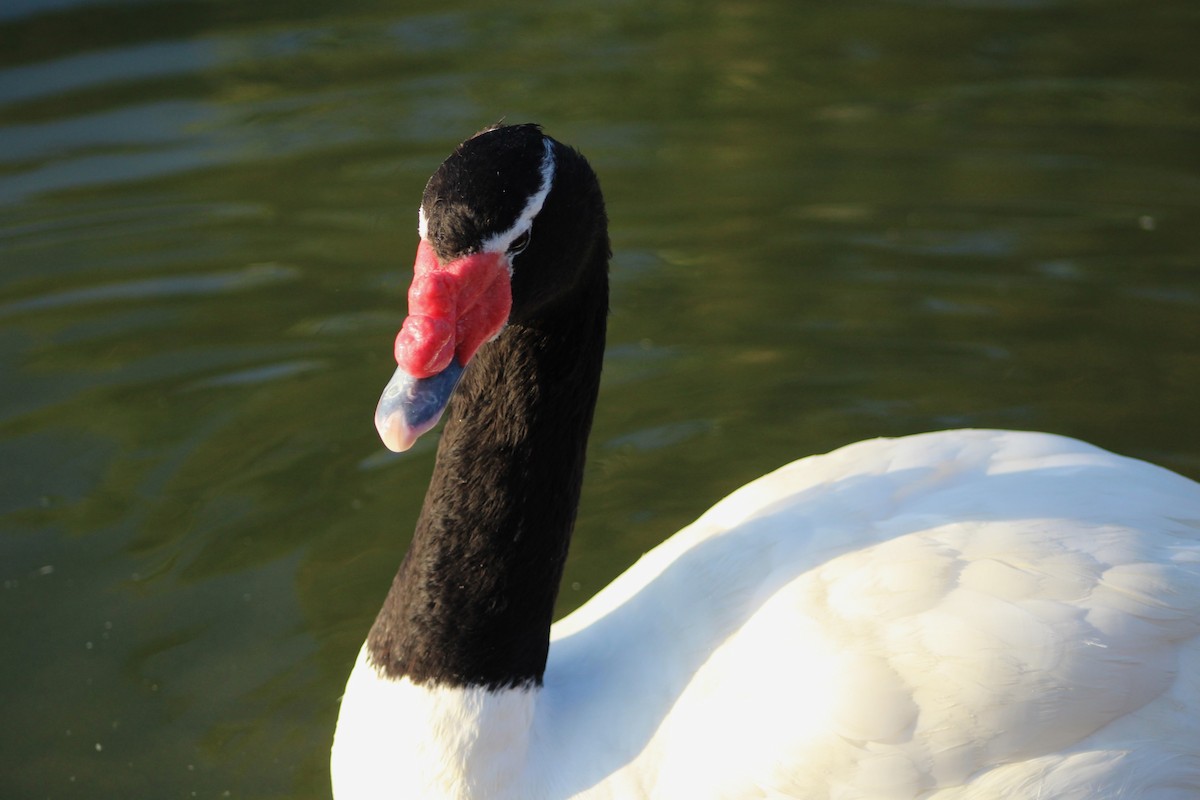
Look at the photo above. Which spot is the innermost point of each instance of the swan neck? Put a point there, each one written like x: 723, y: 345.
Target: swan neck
x: 473, y: 600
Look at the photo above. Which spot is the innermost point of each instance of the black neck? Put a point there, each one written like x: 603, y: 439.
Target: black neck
x: 473, y: 600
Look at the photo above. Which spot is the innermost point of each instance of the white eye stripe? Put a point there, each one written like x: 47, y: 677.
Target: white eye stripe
x: 500, y: 242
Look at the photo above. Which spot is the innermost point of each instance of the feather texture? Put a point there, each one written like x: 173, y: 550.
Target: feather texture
x: 964, y: 614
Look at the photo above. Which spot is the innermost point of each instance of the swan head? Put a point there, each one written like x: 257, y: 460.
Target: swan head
x: 501, y: 239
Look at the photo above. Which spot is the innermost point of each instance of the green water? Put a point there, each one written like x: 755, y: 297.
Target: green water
x: 830, y: 222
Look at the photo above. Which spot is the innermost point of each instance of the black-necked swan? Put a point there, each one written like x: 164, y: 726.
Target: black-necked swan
x: 966, y: 614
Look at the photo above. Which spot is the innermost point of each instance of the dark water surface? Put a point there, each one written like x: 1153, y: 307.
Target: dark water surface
x: 830, y: 222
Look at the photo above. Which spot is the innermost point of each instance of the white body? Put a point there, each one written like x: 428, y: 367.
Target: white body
x: 967, y: 614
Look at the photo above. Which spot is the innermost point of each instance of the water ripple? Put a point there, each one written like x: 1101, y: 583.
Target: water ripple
x: 252, y: 277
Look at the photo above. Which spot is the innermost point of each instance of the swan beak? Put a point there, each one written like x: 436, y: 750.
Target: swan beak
x: 411, y: 406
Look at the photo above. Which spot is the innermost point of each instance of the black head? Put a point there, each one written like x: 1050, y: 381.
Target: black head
x: 512, y: 189
x: 513, y: 237
x: 483, y: 188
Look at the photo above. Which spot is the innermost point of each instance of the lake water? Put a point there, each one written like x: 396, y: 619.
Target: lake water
x: 830, y: 222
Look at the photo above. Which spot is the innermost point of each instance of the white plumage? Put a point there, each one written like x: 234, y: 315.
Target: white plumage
x: 964, y: 614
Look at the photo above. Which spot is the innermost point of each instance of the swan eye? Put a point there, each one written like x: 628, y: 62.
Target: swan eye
x: 519, y: 244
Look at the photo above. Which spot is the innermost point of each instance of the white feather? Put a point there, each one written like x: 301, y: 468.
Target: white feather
x: 950, y: 616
